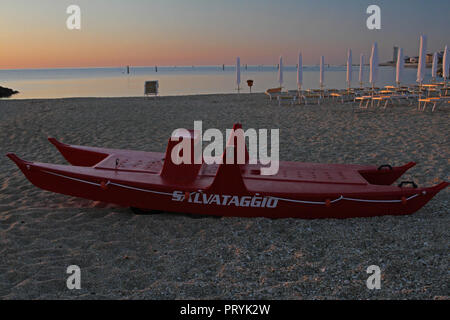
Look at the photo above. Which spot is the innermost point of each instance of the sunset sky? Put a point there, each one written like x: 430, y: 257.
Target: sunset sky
x: 33, y: 33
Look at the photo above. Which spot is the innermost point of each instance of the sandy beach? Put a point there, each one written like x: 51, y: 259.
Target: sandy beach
x: 173, y: 256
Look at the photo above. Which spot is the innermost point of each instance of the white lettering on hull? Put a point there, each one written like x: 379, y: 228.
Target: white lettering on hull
x: 255, y: 201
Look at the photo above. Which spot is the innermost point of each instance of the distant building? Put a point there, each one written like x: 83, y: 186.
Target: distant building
x: 429, y: 58
x: 395, y: 56
x: 413, y: 60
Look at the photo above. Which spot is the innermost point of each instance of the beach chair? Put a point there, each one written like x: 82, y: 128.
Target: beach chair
x: 301, y: 96
x: 314, y: 94
x: 280, y: 95
x: 434, y: 101
x: 345, y: 95
x: 384, y: 98
x: 371, y: 89
x: 291, y: 98
x: 391, y: 95
x: 298, y: 96
x: 337, y: 96
x: 151, y: 88
x: 411, y: 96
x: 363, y: 99
x: 273, y: 92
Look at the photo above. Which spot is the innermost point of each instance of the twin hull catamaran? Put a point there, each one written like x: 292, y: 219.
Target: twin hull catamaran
x: 152, y: 181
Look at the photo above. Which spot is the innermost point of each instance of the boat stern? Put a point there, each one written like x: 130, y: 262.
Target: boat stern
x: 385, y: 174
x: 78, y: 155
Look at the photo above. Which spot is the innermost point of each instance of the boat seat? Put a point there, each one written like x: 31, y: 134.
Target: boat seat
x: 131, y: 164
x: 334, y: 176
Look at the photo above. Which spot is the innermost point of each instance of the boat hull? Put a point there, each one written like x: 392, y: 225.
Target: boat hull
x: 130, y: 189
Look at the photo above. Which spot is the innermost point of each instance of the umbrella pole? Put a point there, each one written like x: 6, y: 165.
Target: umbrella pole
x: 420, y: 90
x: 373, y: 92
x: 299, y: 92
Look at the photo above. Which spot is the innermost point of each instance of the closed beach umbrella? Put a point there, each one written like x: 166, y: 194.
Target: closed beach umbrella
x: 238, y: 72
x: 361, y: 69
x: 434, y: 66
x: 445, y: 63
x: 349, y: 68
x: 321, y: 77
x: 280, y: 72
x: 300, y: 71
x: 400, y: 66
x: 422, y: 59
x: 374, y: 65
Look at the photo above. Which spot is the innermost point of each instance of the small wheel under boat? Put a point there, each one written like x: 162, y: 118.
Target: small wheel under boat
x: 141, y: 212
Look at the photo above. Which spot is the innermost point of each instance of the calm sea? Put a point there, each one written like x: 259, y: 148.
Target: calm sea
x: 115, y: 82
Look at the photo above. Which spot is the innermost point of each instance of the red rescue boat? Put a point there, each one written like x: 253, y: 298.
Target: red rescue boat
x: 151, y: 181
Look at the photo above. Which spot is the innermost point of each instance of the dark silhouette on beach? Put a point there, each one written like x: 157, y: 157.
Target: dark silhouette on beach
x: 6, y: 92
